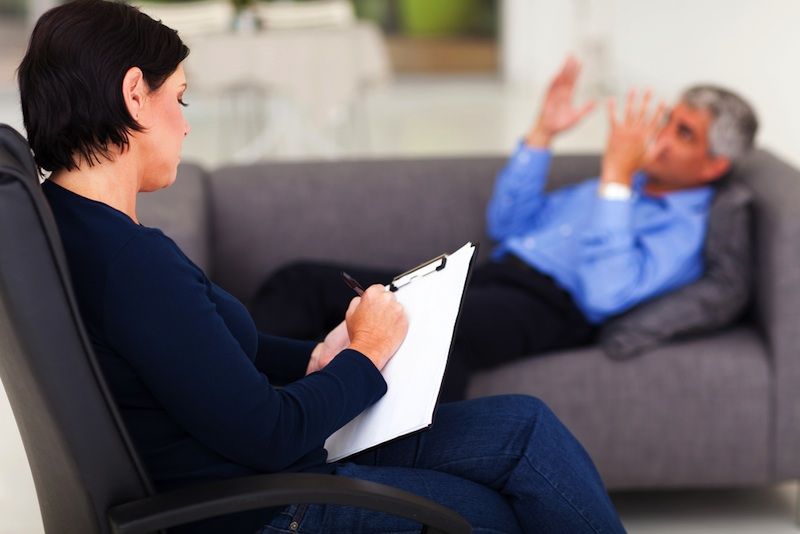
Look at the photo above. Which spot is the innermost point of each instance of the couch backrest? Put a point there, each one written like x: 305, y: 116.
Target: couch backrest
x: 380, y: 213
x: 181, y: 211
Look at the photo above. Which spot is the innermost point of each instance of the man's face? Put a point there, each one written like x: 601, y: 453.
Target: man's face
x: 679, y: 158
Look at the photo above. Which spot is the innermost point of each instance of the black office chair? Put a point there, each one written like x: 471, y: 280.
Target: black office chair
x: 88, y: 476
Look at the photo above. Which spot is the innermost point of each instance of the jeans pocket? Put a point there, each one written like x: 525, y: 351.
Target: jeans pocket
x: 288, y: 521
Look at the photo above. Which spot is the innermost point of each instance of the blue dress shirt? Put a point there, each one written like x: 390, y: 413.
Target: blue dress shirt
x: 608, y: 254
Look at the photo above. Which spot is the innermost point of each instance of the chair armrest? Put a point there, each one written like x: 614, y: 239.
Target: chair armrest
x: 194, y: 503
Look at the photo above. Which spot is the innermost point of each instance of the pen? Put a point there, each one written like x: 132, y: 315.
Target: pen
x: 354, y: 285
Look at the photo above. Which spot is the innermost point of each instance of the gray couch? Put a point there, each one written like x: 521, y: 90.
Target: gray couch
x: 717, y: 410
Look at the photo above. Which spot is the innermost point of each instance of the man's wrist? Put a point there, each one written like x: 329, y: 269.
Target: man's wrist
x: 615, y: 174
x: 538, y: 138
x: 614, y: 191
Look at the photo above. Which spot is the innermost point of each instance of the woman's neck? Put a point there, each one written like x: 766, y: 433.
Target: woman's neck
x: 112, y: 182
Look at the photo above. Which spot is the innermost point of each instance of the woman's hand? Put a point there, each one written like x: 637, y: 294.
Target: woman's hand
x: 376, y: 324
x: 334, y: 343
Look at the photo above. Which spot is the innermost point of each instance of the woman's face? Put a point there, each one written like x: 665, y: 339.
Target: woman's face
x: 165, y: 128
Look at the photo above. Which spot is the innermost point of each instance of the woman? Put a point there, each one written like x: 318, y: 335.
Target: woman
x: 102, y: 89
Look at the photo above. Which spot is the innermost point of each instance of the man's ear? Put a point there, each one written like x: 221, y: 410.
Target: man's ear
x: 715, y: 167
x: 134, y: 90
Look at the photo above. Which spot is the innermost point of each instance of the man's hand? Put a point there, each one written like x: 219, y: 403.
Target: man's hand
x: 376, y: 324
x: 558, y: 111
x: 629, y: 138
x: 334, y: 343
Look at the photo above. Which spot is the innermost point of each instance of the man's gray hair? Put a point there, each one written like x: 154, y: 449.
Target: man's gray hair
x: 733, y: 121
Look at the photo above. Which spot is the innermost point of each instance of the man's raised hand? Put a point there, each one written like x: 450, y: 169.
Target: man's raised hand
x: 629, y: 137
x: 559, y: 112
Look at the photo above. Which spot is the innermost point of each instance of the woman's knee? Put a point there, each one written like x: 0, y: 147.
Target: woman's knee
x: 513, y: 411
x: 525, y: 405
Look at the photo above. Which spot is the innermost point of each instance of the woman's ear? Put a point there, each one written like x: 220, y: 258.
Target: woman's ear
x: 134, y: 90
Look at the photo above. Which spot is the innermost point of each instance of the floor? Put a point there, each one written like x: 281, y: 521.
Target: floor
x: 411, y: 117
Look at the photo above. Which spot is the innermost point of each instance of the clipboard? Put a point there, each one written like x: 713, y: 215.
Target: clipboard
x: 432, y: 294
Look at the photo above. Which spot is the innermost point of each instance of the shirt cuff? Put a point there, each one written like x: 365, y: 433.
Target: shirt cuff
x: 526, y: 171
x: 354, y: 363
x: 527, y: 156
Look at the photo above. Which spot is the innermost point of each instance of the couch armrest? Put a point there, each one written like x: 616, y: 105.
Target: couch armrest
x: 776, y: 189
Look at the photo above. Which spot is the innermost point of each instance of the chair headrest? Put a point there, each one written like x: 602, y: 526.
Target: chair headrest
x: 15, y: 152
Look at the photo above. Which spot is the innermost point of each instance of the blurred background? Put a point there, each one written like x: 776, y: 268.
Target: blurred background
x: 367, y: 78
x: 325, y: 79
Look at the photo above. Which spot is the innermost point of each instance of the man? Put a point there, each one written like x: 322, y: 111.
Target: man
x: 568, y: 260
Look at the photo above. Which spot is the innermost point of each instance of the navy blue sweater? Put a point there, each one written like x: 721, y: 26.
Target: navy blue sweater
x: 192, y: 376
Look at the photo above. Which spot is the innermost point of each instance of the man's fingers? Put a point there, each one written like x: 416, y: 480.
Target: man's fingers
x: 629, y: 104
x: 645, y: 105
x: 658, y: 116
x: 567, y: 73
x: 585, y: 109
x: 572, y: 68
x: 612, y: 110
x: 559, y: 76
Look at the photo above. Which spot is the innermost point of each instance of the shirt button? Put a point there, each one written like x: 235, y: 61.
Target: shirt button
x: 566, y: 230
x: 529, y: 243
x: 524, y: 157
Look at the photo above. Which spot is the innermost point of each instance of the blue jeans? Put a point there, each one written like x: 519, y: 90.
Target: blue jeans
x: 506, y: 464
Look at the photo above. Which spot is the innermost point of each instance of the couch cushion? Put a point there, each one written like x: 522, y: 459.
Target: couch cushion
x: 690, y: 413
x: 713, y: 301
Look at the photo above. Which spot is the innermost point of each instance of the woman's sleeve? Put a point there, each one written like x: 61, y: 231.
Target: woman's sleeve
x: 284, y: 360
x: 160, y: 319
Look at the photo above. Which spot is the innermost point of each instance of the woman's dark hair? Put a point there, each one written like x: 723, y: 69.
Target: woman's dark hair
x: 70, y: 80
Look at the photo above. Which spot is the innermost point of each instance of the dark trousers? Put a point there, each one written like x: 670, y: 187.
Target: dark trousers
x: 510, y: 310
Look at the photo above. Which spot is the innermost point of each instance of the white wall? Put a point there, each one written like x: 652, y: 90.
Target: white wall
x: 752, y: 47
x: 36, y: 8
x: 535, y: 35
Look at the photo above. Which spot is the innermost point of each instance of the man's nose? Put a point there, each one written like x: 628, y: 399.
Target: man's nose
x: 664, y: 138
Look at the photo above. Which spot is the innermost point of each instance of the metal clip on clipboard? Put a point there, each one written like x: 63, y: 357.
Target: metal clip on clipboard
x: 431, y: 266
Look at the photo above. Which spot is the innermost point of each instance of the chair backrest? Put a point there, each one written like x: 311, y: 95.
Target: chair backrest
x: 80, y: 455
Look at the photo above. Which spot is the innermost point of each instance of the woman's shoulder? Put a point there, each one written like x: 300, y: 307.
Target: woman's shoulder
x: 149, y: 252
x: 150, y: 245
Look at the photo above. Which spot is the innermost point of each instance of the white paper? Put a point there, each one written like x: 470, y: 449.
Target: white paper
x: 414, y: 374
